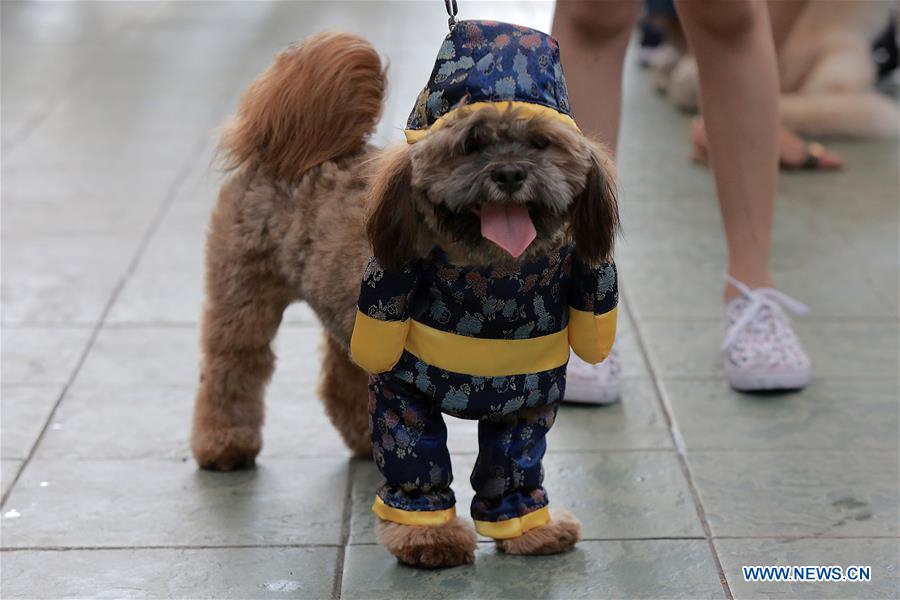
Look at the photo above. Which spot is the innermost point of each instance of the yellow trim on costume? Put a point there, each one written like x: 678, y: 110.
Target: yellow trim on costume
x: 485, y: 357
x: 590, y: 335
x: 424, y: 518
x: 528, y: 109
x: 513, y: 528
x: 377, y: 345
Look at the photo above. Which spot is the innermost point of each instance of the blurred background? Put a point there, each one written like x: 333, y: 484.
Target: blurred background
x: 109, y: 125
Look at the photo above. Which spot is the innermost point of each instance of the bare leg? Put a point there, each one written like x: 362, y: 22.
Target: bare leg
x: 793, y: 150
x: 594, y: 37
x: 739, y: 97
x: 783, y: 14
x: 244, y: 306
x: 739, y: 93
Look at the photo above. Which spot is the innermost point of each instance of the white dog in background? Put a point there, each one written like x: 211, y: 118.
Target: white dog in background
x: 825, y: 66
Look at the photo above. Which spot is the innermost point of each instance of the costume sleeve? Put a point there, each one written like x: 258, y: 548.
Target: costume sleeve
x: 593, y: 298
x: 382, y: 316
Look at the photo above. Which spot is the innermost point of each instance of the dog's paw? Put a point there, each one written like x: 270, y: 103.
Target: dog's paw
x: 560, y: 534
x: 448, y: 545
x: 226, y: 448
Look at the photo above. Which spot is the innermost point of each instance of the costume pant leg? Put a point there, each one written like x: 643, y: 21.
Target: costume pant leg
x: 409, y: 444
x: 509, y: 498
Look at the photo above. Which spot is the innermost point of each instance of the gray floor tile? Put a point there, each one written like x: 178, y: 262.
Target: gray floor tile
x: 886, y: 280
x: 163, y: 290
x: 693, y: 292
x: 830, y: 414
x: 16, y: 126
x: 157, y: 138
x: 91, y: 216
x: 62, y: 280
x: 836, y: 198
x: 164, y: 297
x: 633, y: 363
x: 122, y: 355
x: 43, y: 23
x: 812, y: 281
x: 615, y: 494
x: 170, y: 573
x: 190, y: 209
x: 800, y: 493
x: 880, y: 555
x: 462, y: 435
x: 25, y: 411
x: 690, y: 348
x: 624, y: 494
x: 78, y: 79
x: 300, y: 313
x: 614, y: 569
x: 8, y: 471
x: 31, y: 183
x: 635, y: 423
x: 672, y: 286
x: 172, y: 503
x: 155, y: 422
x: 41, y: 355
x: 673, y: 259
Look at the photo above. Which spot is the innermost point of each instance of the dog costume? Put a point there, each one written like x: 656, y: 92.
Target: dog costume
x: 486, y: 343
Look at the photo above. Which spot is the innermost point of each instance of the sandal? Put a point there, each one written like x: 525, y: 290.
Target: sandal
x: 815, y: 158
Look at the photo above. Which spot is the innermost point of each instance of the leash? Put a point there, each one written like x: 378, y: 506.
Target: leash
x: 452, y: 9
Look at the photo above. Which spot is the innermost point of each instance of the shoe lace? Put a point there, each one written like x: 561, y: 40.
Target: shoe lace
x: 760, y: 298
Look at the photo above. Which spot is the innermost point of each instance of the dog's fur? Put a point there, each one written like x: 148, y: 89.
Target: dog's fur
x: 292, y: 220
x: 825, y: 66
x: 450, y: 544
x: 561, y: 533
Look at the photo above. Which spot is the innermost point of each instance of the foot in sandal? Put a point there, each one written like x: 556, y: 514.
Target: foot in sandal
x: 794, y: 153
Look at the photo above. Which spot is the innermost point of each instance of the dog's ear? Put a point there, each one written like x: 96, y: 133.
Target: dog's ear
x: 392, y: 224
x: 595, y: 215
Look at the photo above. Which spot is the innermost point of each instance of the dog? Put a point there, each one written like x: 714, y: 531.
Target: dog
x: 308, y: 200
x: 825, y: 65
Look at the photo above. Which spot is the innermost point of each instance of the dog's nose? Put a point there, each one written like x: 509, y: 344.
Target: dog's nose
x: 509, y: 178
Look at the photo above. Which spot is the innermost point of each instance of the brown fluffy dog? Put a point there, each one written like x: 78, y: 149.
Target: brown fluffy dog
x: 291, y: 225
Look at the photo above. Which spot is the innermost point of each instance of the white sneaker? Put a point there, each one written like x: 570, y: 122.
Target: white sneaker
x: 594, y: 384
x: 760, y: 349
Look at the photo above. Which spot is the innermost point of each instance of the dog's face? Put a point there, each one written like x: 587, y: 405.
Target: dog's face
x: 493, y: 186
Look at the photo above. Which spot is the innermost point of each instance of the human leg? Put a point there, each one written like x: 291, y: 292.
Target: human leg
x: 739, y: 98
x: 594, y: 37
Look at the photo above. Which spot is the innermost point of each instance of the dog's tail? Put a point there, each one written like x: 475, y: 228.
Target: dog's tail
x: 850, y: 114
x: 320, y: 100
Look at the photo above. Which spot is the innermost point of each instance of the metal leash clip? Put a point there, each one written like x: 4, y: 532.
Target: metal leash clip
x: 452, y: 9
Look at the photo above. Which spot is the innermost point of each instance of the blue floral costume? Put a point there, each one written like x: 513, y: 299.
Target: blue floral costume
x: 487, y: 343
x: 477, y: 343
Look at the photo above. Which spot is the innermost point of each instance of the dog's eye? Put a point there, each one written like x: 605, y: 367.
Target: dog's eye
x: 540, y: 141
x: 474, y: 142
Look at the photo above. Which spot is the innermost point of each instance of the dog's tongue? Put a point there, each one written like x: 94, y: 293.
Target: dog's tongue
x: 508, y: 226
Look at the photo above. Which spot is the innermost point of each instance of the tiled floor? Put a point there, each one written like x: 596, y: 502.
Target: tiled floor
x: 108, y: 117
